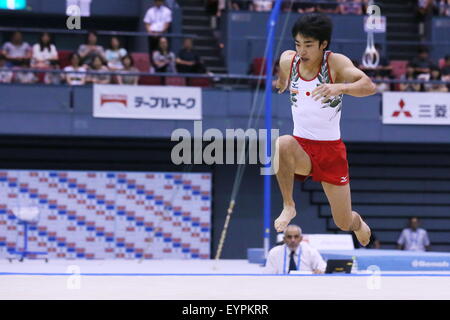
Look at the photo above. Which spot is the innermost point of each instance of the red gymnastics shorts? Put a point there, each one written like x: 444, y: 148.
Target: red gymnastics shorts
x: 328, y: 160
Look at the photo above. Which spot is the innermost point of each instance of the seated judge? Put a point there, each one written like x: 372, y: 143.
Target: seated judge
x: 294, y: 254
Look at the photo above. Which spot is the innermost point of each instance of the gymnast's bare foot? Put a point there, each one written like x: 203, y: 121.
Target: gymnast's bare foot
x: 285, y: 217
x: 363, y: 234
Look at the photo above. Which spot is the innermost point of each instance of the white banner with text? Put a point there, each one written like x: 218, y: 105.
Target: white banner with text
x: 147, y: 102
x: 416, y: 108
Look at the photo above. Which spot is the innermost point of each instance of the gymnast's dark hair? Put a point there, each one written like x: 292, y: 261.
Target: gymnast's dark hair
x: 314, y: 25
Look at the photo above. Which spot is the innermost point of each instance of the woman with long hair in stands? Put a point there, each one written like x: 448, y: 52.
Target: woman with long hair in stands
x: 44, y: 52
x: 163, y: 58
x: 114, y: 54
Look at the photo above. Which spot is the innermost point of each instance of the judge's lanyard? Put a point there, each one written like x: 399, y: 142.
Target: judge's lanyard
x: 415, y: 238
x: 298, y: 260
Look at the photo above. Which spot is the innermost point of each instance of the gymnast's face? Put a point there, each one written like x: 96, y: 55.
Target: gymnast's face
x: 309, y: 49
x: 292, y: 238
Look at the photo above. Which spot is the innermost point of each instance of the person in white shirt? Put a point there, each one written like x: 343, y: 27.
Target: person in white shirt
x: 16, y: 51
x: 261, y: 5
x: 44, y: 52
x: 115, y: 54
x: 414, y: 238
x: 6, y: 75
x: 294, y: 254
x: 53, y: 78
x: 91, y: 49
x: 23, y: 76
x: 75, y: 79
x: 157, y: 22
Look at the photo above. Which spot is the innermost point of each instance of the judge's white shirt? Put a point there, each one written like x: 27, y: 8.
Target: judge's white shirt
x: 279, y: 257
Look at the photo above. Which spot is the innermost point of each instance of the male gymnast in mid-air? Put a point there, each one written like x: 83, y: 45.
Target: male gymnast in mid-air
x: 317, y: 80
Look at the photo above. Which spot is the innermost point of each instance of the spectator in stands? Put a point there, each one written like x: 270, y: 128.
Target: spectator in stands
x: 446, y: 68
x: 305, y: 6
x: 16, y: 51
x: 99, y: 68
x: 261, y: 5
x: 330, y: 7
x: 294, y: 254
x: 157, y: 22
x: 114, y: 54
x: 414, y: 238
x: 239, y: 5
x: 222, y: 7
x: 188, y: 60
x: 128, y: 66
x: 24, y: 76
x: 424, y: 9
x: 435, y: 75
x: 212, y: 6
x: 443, y: 8
x: 365, y: 4
x: 75, y: 79
x: 351, y: 7
x: 6, y: 75
x: 163, y: 58
x: 214, y: 9
x: 91, y: 49
x: 446, y: 71
x: 374, y: 243
x: 381, y: 86
x: 422, y: 63
x: 409, y: 75
x: 44, y: 52
x: 53, y: 78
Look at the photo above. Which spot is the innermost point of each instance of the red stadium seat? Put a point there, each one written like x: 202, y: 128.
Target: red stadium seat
x: 199, y: 82
x: 258, y: 66
x: 175, y: 81
x: 40, y: 76
x: 64, y: 58
x: 150, y: 80
x: 141, y: 61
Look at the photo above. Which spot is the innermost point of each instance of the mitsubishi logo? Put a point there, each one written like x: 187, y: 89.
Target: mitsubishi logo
x: 406, y: 113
